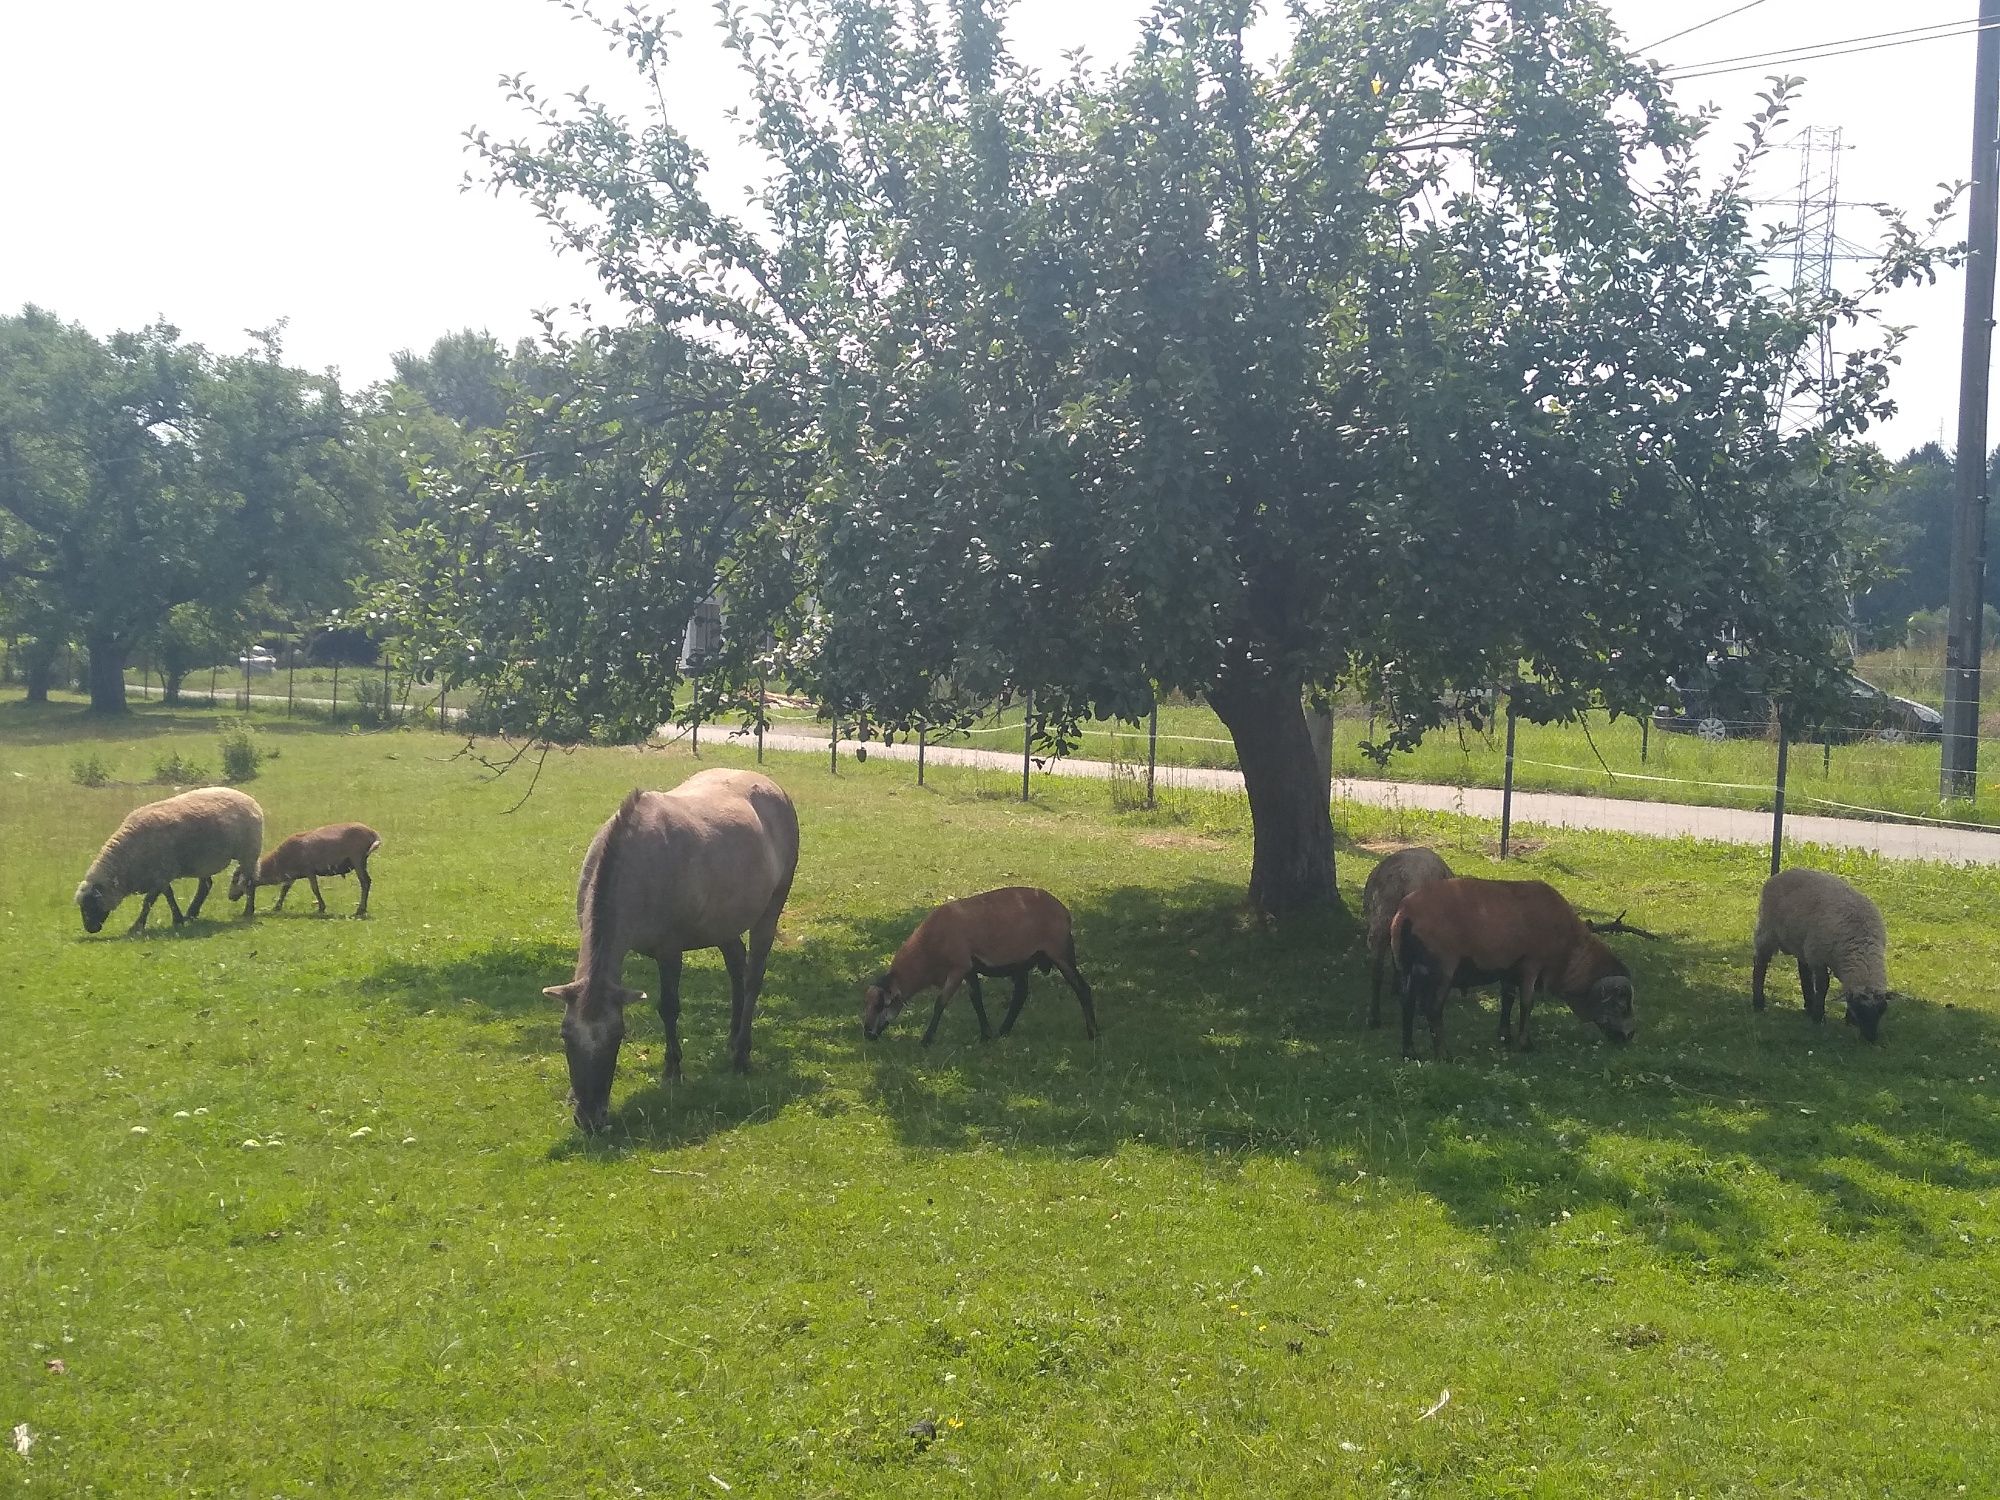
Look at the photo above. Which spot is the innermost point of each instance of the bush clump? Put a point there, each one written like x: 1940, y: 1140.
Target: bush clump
x: 89, y: 771
x: 241, y: 754
x: 173, y: 769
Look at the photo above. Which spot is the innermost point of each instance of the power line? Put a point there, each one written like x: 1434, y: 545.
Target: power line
x: 1702, y: 25
x: 1832, y: 47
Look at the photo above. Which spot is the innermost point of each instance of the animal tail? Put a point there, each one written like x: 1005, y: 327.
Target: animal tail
x: 1416, y: 964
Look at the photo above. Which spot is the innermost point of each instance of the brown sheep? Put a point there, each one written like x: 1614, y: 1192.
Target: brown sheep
x: 1000, y: 934
x: 1468, y: 931
x: 1388, y: 883
x: 336, y: 849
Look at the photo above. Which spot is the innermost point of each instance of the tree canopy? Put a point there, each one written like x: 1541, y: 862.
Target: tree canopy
x: 1418, y: 356
x: 141, y: 473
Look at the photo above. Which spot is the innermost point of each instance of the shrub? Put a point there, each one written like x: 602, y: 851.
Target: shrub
x: 172, y: 770
x: 89, y: 771
x: 374, y: 704
x: 241, y: 754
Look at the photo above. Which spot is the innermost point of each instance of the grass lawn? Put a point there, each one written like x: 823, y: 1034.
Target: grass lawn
x: 298, y: 1207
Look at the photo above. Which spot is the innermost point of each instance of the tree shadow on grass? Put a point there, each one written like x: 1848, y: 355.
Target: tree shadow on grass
x: 1231, y: 1042
x: 1707, y: 1138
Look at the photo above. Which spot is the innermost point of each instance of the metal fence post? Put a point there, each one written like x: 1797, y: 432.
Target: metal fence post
x: 1027, y: 739
x: 833, y: 748
x: 1152, y: 749
x: 763, y: 712
x: 1645, y: 737
x: 1507, y: 787
x: 923, y: 736
x: 333, y: 709
x: 1778, y: 812
x: 291, y: 671
x: 213, y: 673
x: 387, y: 716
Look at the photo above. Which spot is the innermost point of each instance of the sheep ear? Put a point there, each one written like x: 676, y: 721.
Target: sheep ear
x: 631, y: 997
x: 562, y: 992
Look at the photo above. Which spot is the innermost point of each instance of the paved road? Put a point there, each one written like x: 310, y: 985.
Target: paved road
x: 1547, y: 809
x: 1725, y: 825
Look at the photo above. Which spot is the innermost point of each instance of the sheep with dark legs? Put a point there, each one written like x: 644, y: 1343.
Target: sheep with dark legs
x: 336, y: 849
x: 1000, y: 934
x: 194, y: 836
x: 1465, y: 932
x: 1834, y: 932
x: 1388, y: 883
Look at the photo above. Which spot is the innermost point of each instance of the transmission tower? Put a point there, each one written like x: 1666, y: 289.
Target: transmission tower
x: 1813, y: 239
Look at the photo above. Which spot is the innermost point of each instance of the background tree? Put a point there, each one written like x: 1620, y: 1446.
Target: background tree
x: 142, y: 472
x: 1378, y: 364
x: 464, y: 376
x: 556, y: 563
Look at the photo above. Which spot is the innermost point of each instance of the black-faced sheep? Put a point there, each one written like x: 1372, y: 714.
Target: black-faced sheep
x: 336, y: 849
x: 1832, y: 930
x: 190, y: 837
x: 1388, y: 883
x: 1464, y: 932
x: 1000, y: 934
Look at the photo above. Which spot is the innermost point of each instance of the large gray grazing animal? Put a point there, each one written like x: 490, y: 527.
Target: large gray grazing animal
x: 696, y: 867
x: 194, y: 836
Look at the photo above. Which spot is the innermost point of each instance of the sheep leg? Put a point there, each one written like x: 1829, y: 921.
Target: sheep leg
x: 1434, y: 1014
x: 949, y: 989
x: 201, y: 890
x: 1757, y: 978
x: 978, y: 999
x: 1409, y: 1013
x: 319, y: 901
x: 146, y: 910
x: 1524, y: 1040
x: 1073, y: 976
x: 283, y: 891
x: 361, y: 874
x: 1506, y: 1013
x: 249, y: 872
x: 1375, y: 997
x: 1014, y: 1004
x: 1809, y: 992
x: 670, y: 1014
x: 173, y: 905
x: 738, y: 963
x: 1822, y: 977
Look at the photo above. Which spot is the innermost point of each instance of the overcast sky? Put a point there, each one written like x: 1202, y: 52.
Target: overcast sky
x: 226, y: 163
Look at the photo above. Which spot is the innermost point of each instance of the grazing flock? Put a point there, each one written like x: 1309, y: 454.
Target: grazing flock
x: 712, y: 861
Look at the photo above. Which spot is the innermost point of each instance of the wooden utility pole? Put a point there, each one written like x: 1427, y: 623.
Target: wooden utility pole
x: 1960, y: 764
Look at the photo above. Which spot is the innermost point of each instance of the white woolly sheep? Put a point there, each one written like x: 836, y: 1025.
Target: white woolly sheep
x: 336, y: 849
x: 1831, y: 929
x: 190, y: 837
x: 1388, y: 883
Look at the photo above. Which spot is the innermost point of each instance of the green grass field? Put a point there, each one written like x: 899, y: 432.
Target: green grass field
x: 297, y: 1206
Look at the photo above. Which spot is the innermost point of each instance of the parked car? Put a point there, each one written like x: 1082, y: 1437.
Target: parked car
x: 1726, y: 710
x: 257, y: 661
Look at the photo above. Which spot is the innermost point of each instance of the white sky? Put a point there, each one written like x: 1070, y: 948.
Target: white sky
x: 226, y: 163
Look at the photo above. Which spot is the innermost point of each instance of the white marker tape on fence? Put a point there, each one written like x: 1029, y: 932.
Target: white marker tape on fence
x: 1728, y: 786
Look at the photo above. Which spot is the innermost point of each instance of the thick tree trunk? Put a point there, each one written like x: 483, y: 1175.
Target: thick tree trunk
x: 40, y: 672
x: 170, y: 686
x: 107, y: 674
x: 1291, y: 866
